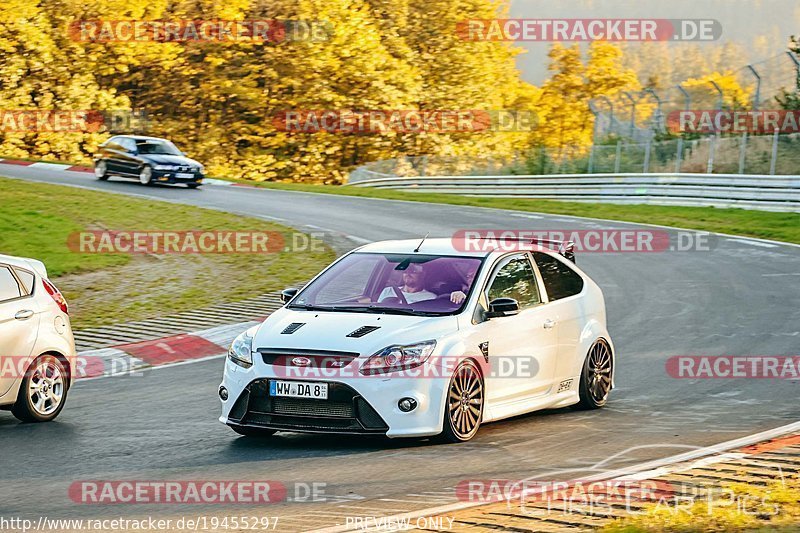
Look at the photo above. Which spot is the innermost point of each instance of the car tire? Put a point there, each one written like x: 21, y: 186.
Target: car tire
x: 596, y: 375
x: 193, y: 185
x: 146, y: 175
x: 253, y: 432
x: 463, y: 407
x: 43, y: 391
x: 101, y: 170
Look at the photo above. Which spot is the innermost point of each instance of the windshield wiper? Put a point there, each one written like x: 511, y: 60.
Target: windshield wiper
x: 379, y: 309
x: 308, y: 307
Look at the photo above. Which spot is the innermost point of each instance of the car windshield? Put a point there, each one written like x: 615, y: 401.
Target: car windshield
x: 150, y: 146
x: 392, y: 283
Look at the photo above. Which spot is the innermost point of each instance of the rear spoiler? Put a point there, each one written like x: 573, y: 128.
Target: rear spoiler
x: 565, y: 249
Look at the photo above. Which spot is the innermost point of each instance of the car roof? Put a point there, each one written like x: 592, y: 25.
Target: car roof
x: 431, y: 246
x: 26, y: 263
x: 141, y: 138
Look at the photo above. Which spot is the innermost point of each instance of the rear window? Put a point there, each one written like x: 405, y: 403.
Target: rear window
x: 9, y: 288
x: 27, y: 280
x: 559, y: 279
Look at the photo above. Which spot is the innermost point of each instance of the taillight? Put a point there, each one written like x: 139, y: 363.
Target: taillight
x: 56, y: 295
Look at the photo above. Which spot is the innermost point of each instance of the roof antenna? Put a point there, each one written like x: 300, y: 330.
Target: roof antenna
x: 420, y: 242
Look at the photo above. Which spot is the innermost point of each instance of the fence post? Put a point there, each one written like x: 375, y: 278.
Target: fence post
x: 711, y: 147
x: 647, y: 156
x: 627, y: 95
x: 742, y: 152
x: 757, y: 97
x: 678, y: 156
x: 774, y: 158
x: 616, y: 158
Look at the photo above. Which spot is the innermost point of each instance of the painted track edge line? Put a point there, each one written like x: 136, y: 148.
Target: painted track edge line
x: 628, y: 471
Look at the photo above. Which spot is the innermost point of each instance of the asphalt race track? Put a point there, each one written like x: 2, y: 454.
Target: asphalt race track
x: 741, y: 298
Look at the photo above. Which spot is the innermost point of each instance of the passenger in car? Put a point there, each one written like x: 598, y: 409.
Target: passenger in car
x: 459, y: 296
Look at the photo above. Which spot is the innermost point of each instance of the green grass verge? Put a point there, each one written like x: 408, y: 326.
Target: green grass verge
x: 762, y: 224
x: 750, y: 223
x: 36, y: 220
x: 738, y: 507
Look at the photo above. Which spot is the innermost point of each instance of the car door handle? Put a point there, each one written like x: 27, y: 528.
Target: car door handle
x: 25, y: 314
x: 548, y: 324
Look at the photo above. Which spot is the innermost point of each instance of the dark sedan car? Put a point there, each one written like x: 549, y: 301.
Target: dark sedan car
x: 148, y: 159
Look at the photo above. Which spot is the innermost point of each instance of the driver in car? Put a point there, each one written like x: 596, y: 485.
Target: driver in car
x: 413, y: 287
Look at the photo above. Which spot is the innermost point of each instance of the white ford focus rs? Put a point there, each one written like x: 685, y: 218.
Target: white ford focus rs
x: 410, y: 339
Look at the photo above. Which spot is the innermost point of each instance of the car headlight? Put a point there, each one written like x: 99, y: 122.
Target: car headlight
x: 201, y: 169
x: 397, y: 358
x: 241, y: 350
x: 163, y: 167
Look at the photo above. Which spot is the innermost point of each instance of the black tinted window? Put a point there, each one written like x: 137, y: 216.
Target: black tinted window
x: 9, y: 288
x: 27, y: 280
x: 516, y: 280
x: 559, y: 279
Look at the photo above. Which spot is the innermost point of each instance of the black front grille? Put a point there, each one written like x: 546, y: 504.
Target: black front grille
x: 345, y: 411
x: 305, y: 407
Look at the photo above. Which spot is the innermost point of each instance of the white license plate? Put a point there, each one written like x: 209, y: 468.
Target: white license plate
x: 184, y: 175
x: 299, y: 389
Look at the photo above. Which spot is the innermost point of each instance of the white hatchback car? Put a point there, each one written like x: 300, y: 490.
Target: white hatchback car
x: 410, y: 339
x: 37, y: 351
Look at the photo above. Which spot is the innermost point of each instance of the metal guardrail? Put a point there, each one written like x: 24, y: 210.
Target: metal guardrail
x: 769, y: 193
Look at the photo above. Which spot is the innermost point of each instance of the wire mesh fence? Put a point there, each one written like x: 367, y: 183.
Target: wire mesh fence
x: 744, y: 154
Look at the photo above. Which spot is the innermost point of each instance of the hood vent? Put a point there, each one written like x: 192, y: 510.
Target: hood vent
x: 291, y: 328
x: 363, y: 330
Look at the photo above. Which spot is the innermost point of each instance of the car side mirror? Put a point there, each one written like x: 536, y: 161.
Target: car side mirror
x: 288, y: 294
x: 500, y: 307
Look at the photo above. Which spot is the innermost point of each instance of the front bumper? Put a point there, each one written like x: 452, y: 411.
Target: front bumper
x: 356, y: 404
x: 170, y: 176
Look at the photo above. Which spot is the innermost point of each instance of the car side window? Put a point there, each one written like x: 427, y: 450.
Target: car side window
x: 129, y: 145
x: 26, y: 278
x: 9, y: 288
x: 516, y: 280
x: 113, y: 144
x: 560, y: 280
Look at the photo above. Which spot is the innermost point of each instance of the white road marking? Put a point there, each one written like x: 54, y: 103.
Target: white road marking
x: 753, y: 242
x: 50, y: 166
